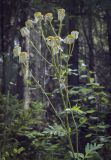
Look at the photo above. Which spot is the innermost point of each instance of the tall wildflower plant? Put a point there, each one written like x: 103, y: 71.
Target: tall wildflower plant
x: 56, y: 46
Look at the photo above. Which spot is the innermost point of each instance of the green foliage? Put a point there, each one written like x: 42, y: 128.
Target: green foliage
x: 22, y: 134
x: 26, y: 133
x: 90, y: 149
x: 56, y: 130
x: 90, y: 152
x: 18, y: 127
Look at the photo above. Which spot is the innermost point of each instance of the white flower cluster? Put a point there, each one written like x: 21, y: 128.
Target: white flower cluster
x: 29, y: 24
x: 23, y: 56
x: 25, y: 32
x: 71, y: 37
x: 17, y: 51
x: 48, y: 17
x: 38, y: 17
x: 54, y: 43
x: 61, y: 14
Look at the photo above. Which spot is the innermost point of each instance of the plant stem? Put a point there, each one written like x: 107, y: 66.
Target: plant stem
x: 53, y: 28
x: 66, y: 102
x: 48, y: 100
x: 65, y: 107
x: 39, y: 52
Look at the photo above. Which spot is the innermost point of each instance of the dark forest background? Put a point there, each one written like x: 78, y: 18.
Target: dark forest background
x: 92, y: 19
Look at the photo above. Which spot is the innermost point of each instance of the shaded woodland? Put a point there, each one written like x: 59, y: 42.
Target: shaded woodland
x: 36, y: 133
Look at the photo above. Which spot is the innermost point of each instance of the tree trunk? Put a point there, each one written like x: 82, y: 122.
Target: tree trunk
x: 4, y: 88
x: 37, y: 64
x: 108, y: 18
x: 90, y: 41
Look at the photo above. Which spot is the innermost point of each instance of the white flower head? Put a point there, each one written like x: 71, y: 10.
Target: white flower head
x: 48, y: 17
x: 50, y: 41
x: 58, y: 40
x: 75, y: 33
x: 61, y: 14
x: 25, y: 32
x: 69, y: 39
x: 17, y: 50
x: 68, y: 110
x: 54, y: 43
x: 29, y: 24
x: 23, y: 57
x: 38, y: 17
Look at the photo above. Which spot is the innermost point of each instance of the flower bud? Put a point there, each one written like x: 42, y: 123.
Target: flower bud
x: 48, y: 17
x: 50, y: 41
x: 23, y: 57
x: 29, y: 24
x: 38, y: 17
x: 61, y: 14
x: 54, y: 43
x: 75, y: 33
x: 25, y: 32
x: 17, y: 51
x: 69, y: 39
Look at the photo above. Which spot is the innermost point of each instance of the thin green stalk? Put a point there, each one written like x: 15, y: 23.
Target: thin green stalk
x: 76, y: 127
x: 66, y: 104
x: 67, y: 121
x: 46, y: 42
x: 48, y: 100
x: 53, y: 28
x: 69, y: 136
x: 39, y: 52
x: 65, y: 107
